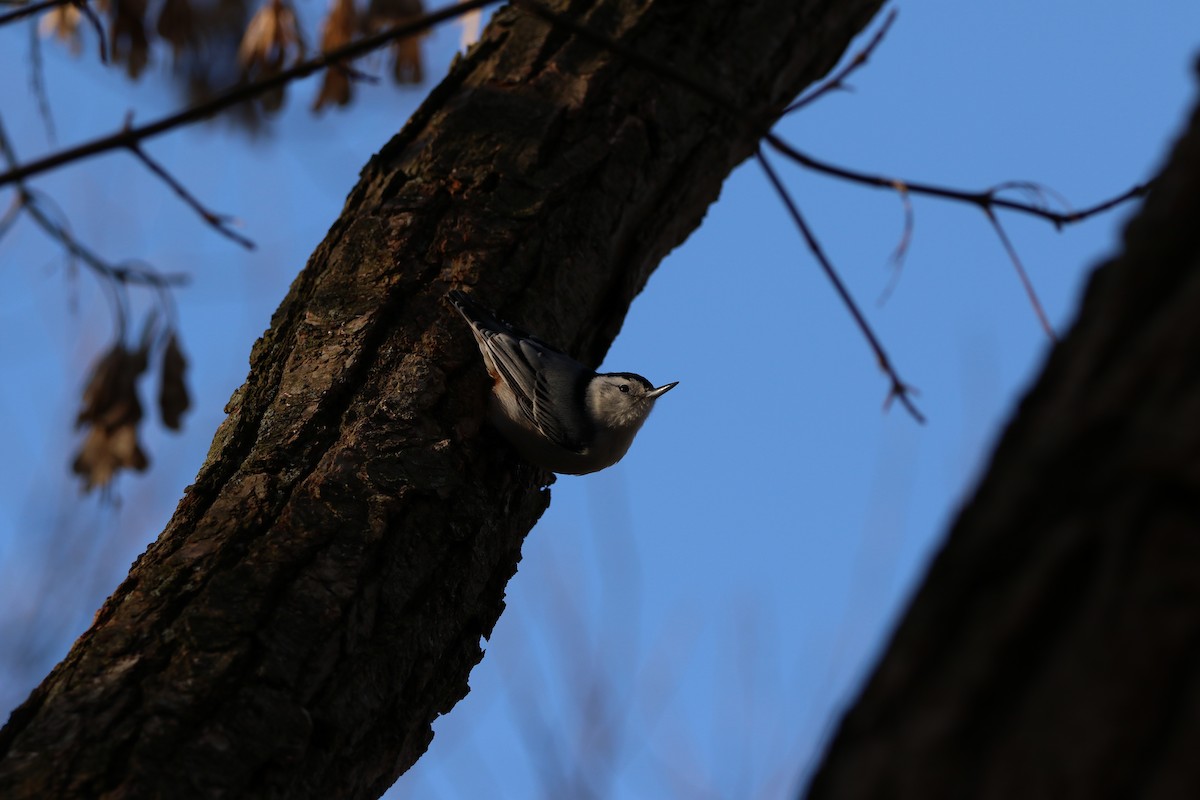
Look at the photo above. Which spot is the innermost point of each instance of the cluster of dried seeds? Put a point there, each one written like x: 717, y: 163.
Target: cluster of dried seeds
x: 269, y: 40
x: 111, y: 410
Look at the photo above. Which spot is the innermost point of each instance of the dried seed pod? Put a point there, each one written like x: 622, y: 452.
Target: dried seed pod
x: 62, y: 22
x: 406, y: 64
x: 102, y: 386
x: 112, y: 410
x: 272, y: 38
x: 337, y: 31
x: 173, y: 397
x: 127, y: 35
x: 110, y: 397
x: 176, y: 25
x: 105, y: 452
x: 406, y: 52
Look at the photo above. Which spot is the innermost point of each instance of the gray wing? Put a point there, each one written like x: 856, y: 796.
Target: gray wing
x: 535, y: 373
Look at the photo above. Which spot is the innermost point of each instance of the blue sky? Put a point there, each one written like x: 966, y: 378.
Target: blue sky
x: 722, y: 590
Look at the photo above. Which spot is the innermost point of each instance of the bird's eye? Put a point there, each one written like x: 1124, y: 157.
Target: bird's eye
x: 624, y: 387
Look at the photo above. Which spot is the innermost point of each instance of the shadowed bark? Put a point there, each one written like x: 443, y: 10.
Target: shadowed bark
x: 1053, y: 650
x: 319, y: 596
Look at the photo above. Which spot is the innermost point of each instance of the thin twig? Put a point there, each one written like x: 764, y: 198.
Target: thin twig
x: 85, y: 10
x: 30, y: 9
x: 127, y: 273
x: 901, y: 251
x: 129, y: 136
x: 1040, y: 193
x: 37, y: 82
x: 987, y: 201
x: 1022, y: 274
x: 838, y: 81
x: 984, y: 200
x: 33, y: 202
x: 981, y: 199
x: 899, y: 389
x: 220, y: 222
x: 355, y: 74
x: 11, y: 215
x: 91, y: 16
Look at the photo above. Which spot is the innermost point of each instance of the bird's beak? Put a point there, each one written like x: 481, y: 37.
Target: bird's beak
x: 654, y: 394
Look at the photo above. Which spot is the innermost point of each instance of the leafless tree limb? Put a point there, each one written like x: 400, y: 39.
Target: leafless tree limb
x: 127, y: 137
x: 219, y: 222
x: 899, y: 389
x: 1022, y: 274
x: 985, y: 199
x: 37, y: 82
x: 838, y: 81
x: 29, y: 9
x: 93, y: 19
x: 901, y: 250
x: 33, y: 203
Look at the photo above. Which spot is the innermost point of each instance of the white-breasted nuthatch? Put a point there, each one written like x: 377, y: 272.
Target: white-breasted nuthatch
x: 556, y: 412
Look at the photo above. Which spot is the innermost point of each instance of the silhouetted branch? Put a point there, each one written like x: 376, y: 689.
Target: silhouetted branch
x: 899, y: 390
x: 93, y: 19
x: 124, y: 273
x: 838, y: 81
x: 901, y: 250
x: 82, y: 6
x: 986, y: 199
x: 29, y: 9
x: 10, y: 216
x: 220, y: 222
x: 127, y: 137
x: 33, y: 204
x: 1022, y: 274
x: 37, y: 82
x: 982, y: 199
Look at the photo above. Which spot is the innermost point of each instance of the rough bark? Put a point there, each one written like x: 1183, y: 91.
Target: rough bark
x: 319, y: 596
x: 1053, y: 650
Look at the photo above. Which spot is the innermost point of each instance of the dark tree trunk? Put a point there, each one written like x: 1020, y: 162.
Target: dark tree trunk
x: 319, y: 595
x: 1053, y: 650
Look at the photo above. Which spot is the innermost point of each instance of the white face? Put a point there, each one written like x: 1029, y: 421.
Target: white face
x: 622, y: 400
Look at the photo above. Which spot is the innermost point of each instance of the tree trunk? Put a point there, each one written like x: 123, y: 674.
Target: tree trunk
x: 319, y: 596
x: 1053, y: 650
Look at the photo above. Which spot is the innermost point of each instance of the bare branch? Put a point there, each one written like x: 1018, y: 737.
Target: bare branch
x: 44, y: 5
x: 127, y: 137
x: 899, y: 390
x: 838, y: 81
x: 901, y: 251
x: 33, y: 203
x: 30, y: 9
x: 92, y: 17
x: 37, y: 82
x: 1022, y: 274
x: 11, y: 215
x: 220, y: 222
x: 985, y: 199
x: 123, y: 273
